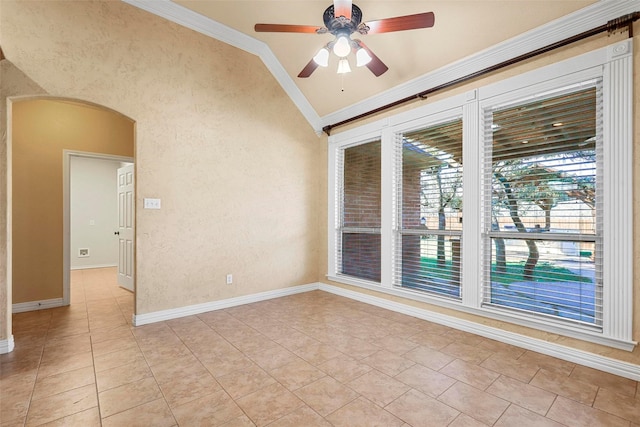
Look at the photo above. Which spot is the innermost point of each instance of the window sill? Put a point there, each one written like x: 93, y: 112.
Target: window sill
x: 546, y: 325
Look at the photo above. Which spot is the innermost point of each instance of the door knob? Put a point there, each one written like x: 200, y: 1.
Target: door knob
x: 117, y: 233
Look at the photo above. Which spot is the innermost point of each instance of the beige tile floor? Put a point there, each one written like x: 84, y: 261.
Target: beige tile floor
x: 312, y: 359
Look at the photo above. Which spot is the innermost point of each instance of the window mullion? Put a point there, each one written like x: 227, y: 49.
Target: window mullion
x: 617, y: 208
x: 471, y: 232
x: 387, y: 214
x: 335, y: 167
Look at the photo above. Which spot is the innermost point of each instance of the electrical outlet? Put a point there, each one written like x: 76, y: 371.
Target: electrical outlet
x: 229, y: 279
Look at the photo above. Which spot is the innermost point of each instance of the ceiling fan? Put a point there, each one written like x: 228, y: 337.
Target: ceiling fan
x: 342, y: 19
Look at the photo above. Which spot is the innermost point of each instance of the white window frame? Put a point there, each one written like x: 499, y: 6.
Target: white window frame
x: 614, y: 64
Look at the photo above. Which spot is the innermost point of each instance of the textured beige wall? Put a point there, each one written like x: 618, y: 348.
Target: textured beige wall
x: 567, y: 52
x: 41, y: 130
x: 217, y: 139
x: 12, y: 82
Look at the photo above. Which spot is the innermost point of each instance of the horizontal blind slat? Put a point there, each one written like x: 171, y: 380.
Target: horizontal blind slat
x: 542, y: 241
x: 360, y: 221
x: 429, y: 194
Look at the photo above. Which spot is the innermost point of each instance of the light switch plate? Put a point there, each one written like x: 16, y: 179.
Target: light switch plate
x: 151, y: 203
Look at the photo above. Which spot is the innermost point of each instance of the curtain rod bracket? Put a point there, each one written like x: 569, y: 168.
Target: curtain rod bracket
x: 624, y: 21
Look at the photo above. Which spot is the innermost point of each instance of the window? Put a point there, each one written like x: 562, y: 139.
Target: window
x: 359, y: 231
x: 535, y: 229
x: 543, y: 230
x: 430, y: 218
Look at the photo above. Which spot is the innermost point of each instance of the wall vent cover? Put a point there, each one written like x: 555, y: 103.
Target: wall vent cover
x: 83, y: 252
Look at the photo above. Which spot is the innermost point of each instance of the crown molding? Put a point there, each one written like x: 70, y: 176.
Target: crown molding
x: 562, y: 28
x: 570, y: 25
x: 207, y: 26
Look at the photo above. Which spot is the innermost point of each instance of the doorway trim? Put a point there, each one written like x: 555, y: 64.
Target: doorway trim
x: 66, y: 195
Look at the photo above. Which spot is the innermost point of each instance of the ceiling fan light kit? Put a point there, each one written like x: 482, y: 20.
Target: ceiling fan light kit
x: 343, y: 66
x: 342, y: 19
x: 322, y: 57
x: 342, y: 46
x: 362, y: 57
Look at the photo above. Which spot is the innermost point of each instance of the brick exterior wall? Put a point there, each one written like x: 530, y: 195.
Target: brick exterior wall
x: 362, y: 208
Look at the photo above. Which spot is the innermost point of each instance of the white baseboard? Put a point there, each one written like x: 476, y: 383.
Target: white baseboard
x: 603, y: 363
x: 37, y: 305
x: 174, y: 313
x: 6, y: 346
x: 606, y: 364
x: 87, y: 267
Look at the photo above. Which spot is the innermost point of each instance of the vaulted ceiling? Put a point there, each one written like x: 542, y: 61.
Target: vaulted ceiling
x: 463, y: 29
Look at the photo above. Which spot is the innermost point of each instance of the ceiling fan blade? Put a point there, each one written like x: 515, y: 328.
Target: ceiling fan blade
x: 342, y: 8
x: 308, y: 69
x: 285, y: 28
x: 402, y: 23
x: 376, y: 65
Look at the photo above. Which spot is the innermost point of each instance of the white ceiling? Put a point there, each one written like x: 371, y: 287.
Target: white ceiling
x: 461, y: 30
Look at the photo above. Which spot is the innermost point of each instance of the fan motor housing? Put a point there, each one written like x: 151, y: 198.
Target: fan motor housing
x: 341, y: 24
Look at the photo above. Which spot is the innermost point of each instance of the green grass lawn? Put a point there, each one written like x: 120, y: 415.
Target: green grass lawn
x: 544, y: 272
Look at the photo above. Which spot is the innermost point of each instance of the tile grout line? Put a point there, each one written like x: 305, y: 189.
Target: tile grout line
x: 93, y: 358
x: 35, y: 382
x: 294, y: 391
x: 200, y: 361
x: 264, y: 370
x: 44, y: 345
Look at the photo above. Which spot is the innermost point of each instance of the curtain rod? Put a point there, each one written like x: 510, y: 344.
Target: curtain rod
x: 610, y: 27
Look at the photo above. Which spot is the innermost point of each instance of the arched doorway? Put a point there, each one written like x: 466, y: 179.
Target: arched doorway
x: 40, y: 131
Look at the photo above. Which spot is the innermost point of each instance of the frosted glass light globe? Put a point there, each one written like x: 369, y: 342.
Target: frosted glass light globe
x: 342, y: 47
x: 322, y: 57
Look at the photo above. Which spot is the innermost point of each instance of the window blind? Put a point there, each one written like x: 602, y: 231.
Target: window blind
x: 360, y: 211
x: 428, y: 241
x: 543, y: 245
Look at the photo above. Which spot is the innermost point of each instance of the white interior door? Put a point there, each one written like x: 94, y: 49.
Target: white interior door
x: 126, y: 229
